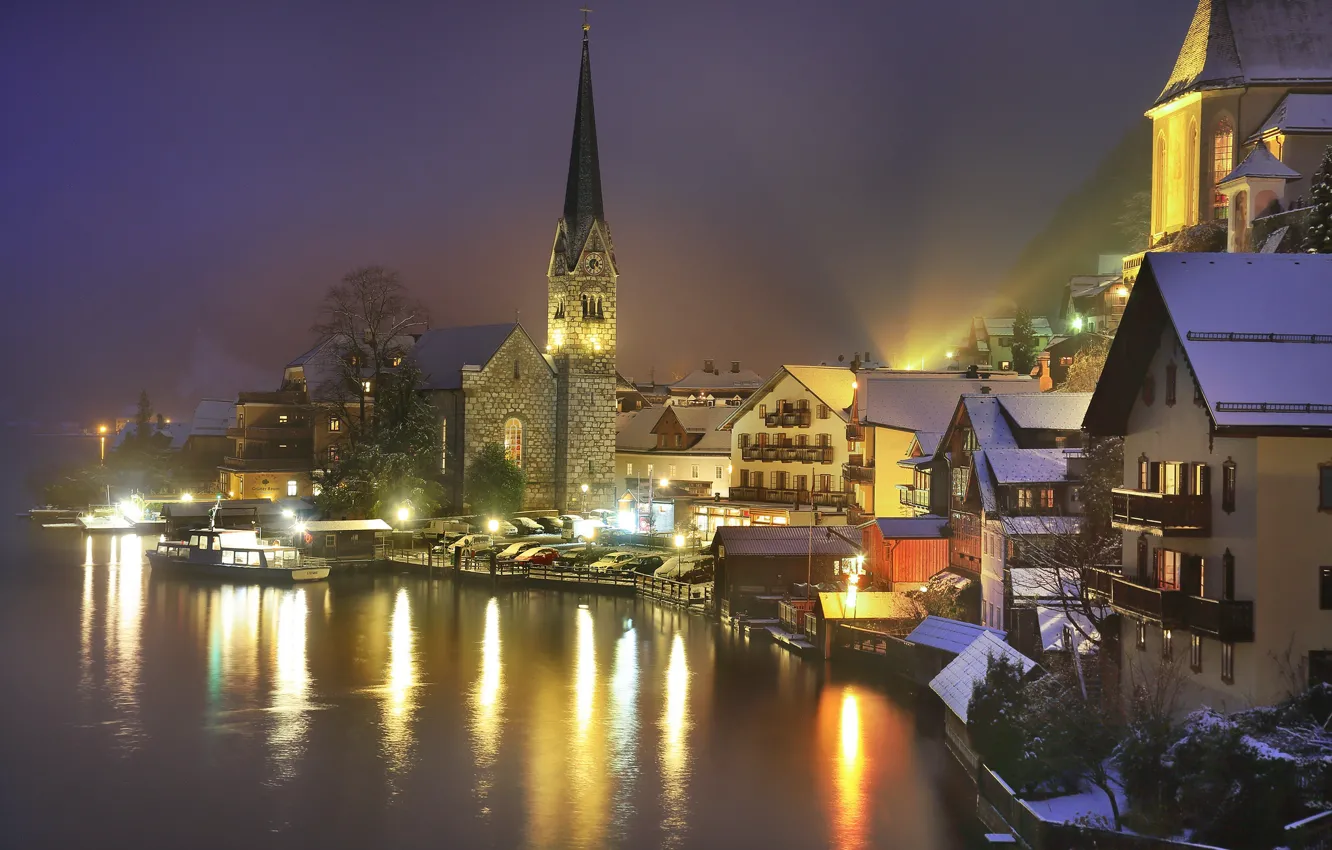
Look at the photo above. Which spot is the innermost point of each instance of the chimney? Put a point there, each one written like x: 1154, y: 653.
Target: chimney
x: 708, y: 366
x: 1042, y: 371
x: 735, y: 367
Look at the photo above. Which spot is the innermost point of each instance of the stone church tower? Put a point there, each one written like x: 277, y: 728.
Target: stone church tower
x: 580, y: 321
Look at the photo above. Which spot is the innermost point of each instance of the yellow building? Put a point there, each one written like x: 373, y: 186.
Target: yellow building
x: 1248, y: 72
x: 1225, y: 406
x: 789, y: 446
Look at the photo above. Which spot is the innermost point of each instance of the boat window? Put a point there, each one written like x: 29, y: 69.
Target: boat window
x: 194, y: 540
x: 289, y: 555
x: 228, y: 557
x: 217, y: 543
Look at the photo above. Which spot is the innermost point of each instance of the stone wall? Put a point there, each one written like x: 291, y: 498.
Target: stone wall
x: 585, y: 432
x: 498, y: 392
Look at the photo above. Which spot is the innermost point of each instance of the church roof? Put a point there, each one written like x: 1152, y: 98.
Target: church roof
x: 1243, y: 42
x: 1260, y: 163
x: 1298, y: 113
x: 441, y: 353
x: 582, y: 194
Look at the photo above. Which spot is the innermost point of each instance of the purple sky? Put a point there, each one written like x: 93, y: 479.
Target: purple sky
x: 786, y: 181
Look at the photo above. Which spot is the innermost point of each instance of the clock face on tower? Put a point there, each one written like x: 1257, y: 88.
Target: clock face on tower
x: 593, y: 263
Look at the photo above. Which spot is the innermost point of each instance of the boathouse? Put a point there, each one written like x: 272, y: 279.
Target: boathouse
x: 346, y: 539
x: 757, y: 565
x: 906, y: 551
x: 955, y: 683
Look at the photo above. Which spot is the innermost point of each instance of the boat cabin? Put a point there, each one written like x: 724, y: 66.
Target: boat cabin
x: 239, y: 548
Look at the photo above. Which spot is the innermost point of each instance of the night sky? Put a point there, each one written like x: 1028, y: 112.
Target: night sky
x: 786, y: 181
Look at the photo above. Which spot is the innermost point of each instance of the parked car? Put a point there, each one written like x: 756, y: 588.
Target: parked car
x: 672, y: 568
x: 507, y: 528
x: 550, y: 524
x: 527, y: 525
x: 569, y: 519
x: 543, y: 555
x: 471, y: 542
x: 514, y: 549
x: 648, y: 564
x: 611, y: 559
x: 603, y: 515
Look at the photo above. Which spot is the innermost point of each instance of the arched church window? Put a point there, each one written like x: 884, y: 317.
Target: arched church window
x: 584, y: 306
x: 601, y: 312
x: 1159, y: 187
x: 516, y: 373
x: 1223, y: 154
x: 513, y: 441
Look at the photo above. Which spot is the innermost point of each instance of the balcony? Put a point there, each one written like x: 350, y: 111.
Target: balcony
x: 858, y: 471
x: 855, y: 515
x: 788, y: 496
x: 1161, y: 513
x: 1227, y: 620
x: 855, y: 432
x: 266, y: 464
x: 915, y: 497
x: 296, y: 431
x: 824, y: 499
x: 788, y: 419
x: 1098, y: 581
x: 788, y: 454
x: 1163, y: 606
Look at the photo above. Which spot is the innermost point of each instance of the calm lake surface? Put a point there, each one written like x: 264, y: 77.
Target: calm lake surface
x: 398, y: 711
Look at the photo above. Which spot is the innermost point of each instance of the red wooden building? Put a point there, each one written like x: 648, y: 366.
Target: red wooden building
x: 906, y: 551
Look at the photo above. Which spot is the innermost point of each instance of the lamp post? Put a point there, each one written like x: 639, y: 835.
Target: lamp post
x: 583, y: 489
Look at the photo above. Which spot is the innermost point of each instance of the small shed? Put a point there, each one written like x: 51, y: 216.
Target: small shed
x: 757, y: 565
x: 345, y: 539
x: 906, y: 551
x: 939, y: 640
x: 955, y: 683
x: 883, y: 612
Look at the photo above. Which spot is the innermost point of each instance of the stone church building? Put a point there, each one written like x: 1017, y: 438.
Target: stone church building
x: 551, y: 406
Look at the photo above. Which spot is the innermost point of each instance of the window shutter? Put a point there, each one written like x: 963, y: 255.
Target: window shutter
x: 1191, y: 580
x: 1204, y: 480
x: 1186, y: 479
x: 1154, y: 477
x: 1156, y: 566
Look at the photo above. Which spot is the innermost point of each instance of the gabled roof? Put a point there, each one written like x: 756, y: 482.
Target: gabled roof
x: 911, y: 528
x: 636, y: 432
x: 582, y: 192
x: 987, y: 422
x: 1028, y: 466
x: 829, y: 384
x: 949, y: 635
x: 1260, y: 164
x: 717, y: 383
x: 1035, y: 526
x: 1046, y: 411
x: 1261, y: 362
x: 983, y: 480
x: 212, y: 417
x: 441, y: 353
x: 1242, y: 42
x: 774, y: 541
x: 872, y: 605
x: 928, y: 441
x: 1298, y: 113
x: 924, y: 401
x: 1003, y: 325
x: 955, y: 683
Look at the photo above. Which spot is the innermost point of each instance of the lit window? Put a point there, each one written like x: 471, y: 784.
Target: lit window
x: 395, y: 361
x: 1006, y: 365
x: 1167, y: 645
x: 1168, y: 564
x: 1195, y: 653
x: 719, y: 474
x: 628, y: 469
x: 1228, y: 663
x: 1141, y: 641
x: 1223, y: 151
x: 443, y: 446
x: 365, y: 385
x: 670, y: 473
x: 1047, y: 498
x: 282, y: 419
x: 513, y: 441
x: 335, y: 424
x: 291, y: 487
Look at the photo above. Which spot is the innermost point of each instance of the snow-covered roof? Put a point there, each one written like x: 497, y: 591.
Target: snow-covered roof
x: 1032, y: 526
x: 955, y: 682
x: 745, y: 379
x: 875, y: 605
x: 915, y: 401
x: 1054, y: 622
x: 1248, y: 376
x: 1047, y: 411
x: 928, y: 441
x: 911, y: 528
x: 949, y: 635
x: 779, y: 540
x: 1298, y: 113
x: 1260, y: 164
x: 1083, y: 285
x: 1003, y: 325
x: 987, y: 421
x: 1241, y: 42
x: 441, y: 353
x: 212, y: 417
x: 980, y: 471
x: 635, y: 432
x: 348, y: 525
x: 1028, y: 466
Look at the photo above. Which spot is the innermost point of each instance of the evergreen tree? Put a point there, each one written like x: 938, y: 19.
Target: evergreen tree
x: 494, y: 483
x: 1024, y: 342
x: 1318, y: 237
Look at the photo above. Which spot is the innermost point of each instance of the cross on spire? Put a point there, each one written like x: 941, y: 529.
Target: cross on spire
x: 586, y: 25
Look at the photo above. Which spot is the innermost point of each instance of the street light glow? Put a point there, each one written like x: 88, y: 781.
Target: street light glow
x: 288, y: 513
x: 665, y: 482
x: 583, y: 488
x: 949, y: 354
x: 492, y: 526
x: 187, y: 497
x: 403, y: 513
x: 679, y: 541
x: 101, y: 429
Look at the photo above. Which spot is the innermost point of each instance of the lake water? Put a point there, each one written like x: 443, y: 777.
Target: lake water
x: 399, y: 711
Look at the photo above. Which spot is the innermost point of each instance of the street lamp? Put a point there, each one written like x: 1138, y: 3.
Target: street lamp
x: 583, y: 488
x: 403, y: 513
x: 665, y: 482
x: 101, y: 430
x: 679, y: 541
x: 187, y: 497
x: 288, y: 513
x: 492, y: 526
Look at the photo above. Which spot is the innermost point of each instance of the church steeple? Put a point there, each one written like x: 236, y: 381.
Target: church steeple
x: 582, y: 194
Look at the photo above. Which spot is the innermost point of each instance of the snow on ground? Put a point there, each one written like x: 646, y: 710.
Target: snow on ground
x: 1091, y: 802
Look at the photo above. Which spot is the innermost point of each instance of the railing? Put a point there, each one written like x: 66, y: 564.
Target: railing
x: 788, y: 453
x: 861, y: 473
x: 680, y: 592
x: 267, y: 464
x: 1175, y: 514
x: 1227, y: 620
x: 915, y: 497
x: 788, y: 419
x: 1311, y: 833
x: 855, y: 431
x: 296, y: 430
x: 855, y: 515
x: 830, y: 499
x: 1096, y: 580
x: 1164, y: 606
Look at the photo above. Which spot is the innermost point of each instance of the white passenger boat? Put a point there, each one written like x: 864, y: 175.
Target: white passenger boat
x: 233, y: 554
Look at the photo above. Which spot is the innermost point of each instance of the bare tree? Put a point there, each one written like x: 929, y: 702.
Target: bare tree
x: 368, y: 319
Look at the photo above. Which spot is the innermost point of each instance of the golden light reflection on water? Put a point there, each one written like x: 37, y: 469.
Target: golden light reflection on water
x: 124, y: 615
x: 674, y: 754
x: 848, y: 803
x: 86, y: 611
x: 291, y: 685
x: 624, y: 724
x: 399, y: 704
x: 585, y: 682
x: 487, y: 705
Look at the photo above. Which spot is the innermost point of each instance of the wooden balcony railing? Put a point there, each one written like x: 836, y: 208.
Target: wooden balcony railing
x: 1166, y: 514
x: 788, y: 419
x: 855, y: 431
x: 1163, y: 606
x: 788, y: 454
x: 915, y: 497
x: 860, y: 474
x: 1098, y: 581
x: 1229, y: 620
x: 826, y: 499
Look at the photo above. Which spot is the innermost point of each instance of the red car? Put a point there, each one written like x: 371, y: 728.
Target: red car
x: 544, y: 556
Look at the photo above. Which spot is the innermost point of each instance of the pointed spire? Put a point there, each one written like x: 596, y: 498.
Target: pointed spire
x: 582, y: 194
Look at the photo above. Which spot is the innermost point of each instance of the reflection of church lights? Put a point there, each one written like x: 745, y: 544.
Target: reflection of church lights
x: 674, y: 725
x: 850, y: 795
x: 624, y: 693
x: 86, y: 622
x: 291, y: 686
x: 486, y: 697
x: 399, y: 705
x: 585, y: 685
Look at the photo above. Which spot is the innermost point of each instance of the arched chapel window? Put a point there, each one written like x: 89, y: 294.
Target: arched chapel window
x: 513, y: 441
x: 1223, y: 156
